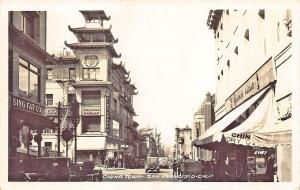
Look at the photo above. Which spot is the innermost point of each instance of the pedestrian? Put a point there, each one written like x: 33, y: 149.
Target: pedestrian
x: 106, y: 163
x: 115, y: 163
x: 270, y: 169
x: 174, y: 166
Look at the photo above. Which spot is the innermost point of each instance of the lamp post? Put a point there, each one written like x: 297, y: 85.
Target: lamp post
x: 75, y: 121
x: 124, y: 147
x: 58, y: 129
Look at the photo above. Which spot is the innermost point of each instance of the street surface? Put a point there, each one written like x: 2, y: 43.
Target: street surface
x: 131, y: 175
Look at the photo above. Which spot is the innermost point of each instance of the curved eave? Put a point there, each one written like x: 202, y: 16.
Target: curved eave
x: 91, y: 46
x: 127, y: 81
x: 114, y: 53
x: 79, y: 31
x: 88, y: 30
x: 94, y: 14
x: 121, y: 66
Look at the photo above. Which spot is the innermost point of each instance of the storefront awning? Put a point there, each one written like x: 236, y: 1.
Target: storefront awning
x: 236, y: 116
x: 260, y: 129
x: 34, y: 121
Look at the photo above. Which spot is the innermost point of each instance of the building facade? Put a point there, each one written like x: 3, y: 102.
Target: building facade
x: 102, y: 88
x: 27, y: 59
x: 203, y: 119
x: 183, y: 141
x: 253, y: 50
x: 151, y: 143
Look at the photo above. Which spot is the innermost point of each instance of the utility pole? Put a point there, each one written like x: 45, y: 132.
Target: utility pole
x: 75, y: 121
x: 58, y: 130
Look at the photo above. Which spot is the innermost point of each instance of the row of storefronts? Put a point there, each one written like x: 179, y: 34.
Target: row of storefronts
x: 42, y: 88
x: 252, y: 134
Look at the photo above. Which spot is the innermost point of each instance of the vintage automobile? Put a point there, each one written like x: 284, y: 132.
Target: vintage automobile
x: 163, y: 162
x: 85, y: 171
x: 152, y: 164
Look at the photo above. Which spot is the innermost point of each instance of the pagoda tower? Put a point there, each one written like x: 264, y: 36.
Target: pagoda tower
x: 95, y: 46
x: 93, y: 65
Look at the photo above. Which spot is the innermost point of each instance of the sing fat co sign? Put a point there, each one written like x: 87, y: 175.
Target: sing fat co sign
x: 25, y: 105
x: 90, y: 110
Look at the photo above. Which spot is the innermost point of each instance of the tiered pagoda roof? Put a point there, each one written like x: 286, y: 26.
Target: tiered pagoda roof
x: 94, y: 15
x: 94, y: 37
x: 89, y: 45
x: 79, y: 32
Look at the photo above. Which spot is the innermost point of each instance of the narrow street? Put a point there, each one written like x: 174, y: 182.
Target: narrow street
x: 137, y: 175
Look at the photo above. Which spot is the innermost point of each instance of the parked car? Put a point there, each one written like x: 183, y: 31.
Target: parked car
x: 163, y: 162
x: 152, y: 164
x: 85, y: 171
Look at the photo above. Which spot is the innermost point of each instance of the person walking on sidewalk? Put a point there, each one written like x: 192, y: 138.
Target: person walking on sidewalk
x: 174, y: 166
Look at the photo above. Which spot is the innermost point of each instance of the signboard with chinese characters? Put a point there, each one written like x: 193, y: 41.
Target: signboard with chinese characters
x: 260, y: 79
x: 53, y: 111
x: 90, y: 110
x: 25, y: 105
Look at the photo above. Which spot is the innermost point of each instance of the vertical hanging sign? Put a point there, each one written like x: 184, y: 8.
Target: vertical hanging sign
x: 107, y: 114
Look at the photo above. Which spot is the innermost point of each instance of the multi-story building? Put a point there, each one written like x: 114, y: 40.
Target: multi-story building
x: 151, y: 144
x: 203, y: 119
x: 183, y: 141
x: 102, y: 88
x: 136, y: 150
x: 253, y: 53
x: 27, y: 58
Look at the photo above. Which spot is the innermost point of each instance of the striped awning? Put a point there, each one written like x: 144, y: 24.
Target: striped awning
x: 258, y: 129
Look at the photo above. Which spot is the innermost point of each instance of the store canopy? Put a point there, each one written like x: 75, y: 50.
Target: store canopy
x: 259, y: 129
x: 34, y: 121
x: 236, y: 116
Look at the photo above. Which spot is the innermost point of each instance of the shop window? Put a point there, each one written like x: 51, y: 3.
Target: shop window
x: 90, y: 73
x: 49, y: 74
x: 222, y: 72
x: 91, y: 97
x: 261, y: 13
x: 218, y: 77
x: 72, y: 74
x: 221, y: 27
x: 91, y: 124
x: 48, y: 145
x: 29, y: 80
x: 49, y: 99
x: 246, y: 35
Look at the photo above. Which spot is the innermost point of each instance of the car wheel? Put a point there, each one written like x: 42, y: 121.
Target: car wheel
x: 146, y: 171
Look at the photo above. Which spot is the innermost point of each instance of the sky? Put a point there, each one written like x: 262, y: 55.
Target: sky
x: 169, y: 51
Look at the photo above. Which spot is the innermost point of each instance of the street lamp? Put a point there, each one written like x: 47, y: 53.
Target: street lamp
x: 75, y: 121
x: 124, y: 147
